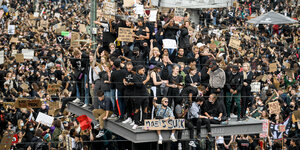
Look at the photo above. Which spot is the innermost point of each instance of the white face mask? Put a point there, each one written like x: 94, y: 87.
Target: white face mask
x: 78, y: 129
x: 259, y: 102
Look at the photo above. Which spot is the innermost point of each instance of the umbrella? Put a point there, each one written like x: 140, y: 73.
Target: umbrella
x: 272, y: 18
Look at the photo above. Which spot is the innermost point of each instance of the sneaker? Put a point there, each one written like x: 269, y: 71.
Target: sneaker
x: 238, y: 119
x: 132, y: 123
x: 228, y: 118
x: 100, y: 134
x: 134, y: 126
x: 77, y: 100
x: 160, y: 141
x: 85, y: 105
x: 172, y: 138
x: 179, y: 146
x: 192, y: 143
x: 112, y: 116
x: 128, y: 120
x: 97, y: 126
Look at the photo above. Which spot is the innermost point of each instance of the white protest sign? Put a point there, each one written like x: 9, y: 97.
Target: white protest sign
x: 139, y: 9
x: 255, y: 86
x: 161, y: 124
x: 1, y: 57
x: 153, y: 15
x: 28, y: 53
x: 36, y: 14
x: 169, y: 43
x: 11, y: 29
x: 45, y: 119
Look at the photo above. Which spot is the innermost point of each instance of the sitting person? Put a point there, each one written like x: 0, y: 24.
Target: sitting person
x: 164, y: 112
x: 105, y: 111
x: 213, y: 110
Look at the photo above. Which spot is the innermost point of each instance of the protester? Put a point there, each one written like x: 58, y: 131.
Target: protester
x: 61, y: 64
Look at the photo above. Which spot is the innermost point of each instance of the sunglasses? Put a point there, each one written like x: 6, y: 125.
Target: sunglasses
x: 166, y: 101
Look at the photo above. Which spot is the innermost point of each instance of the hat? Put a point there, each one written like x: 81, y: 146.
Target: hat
x: 159, y: 65
x: 151, y: 67
x: 200, y: 45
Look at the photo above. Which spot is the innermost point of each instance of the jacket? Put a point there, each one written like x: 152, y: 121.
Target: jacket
x: 184, y: 39
x: 235, y: 82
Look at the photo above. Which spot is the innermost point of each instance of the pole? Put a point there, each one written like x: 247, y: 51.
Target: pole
x: 92, y: 24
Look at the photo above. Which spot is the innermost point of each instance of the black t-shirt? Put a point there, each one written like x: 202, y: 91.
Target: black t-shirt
x: 128, y: 78
x: 243, y: 144
x: 106, y: 104
x: 117, y: 77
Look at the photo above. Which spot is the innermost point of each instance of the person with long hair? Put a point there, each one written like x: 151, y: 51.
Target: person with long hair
x: 174, y: 84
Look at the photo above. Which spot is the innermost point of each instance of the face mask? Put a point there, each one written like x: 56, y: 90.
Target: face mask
x: 43, y: 107
x: 52, y: 78
x: 31, y: 129
x: 290, y: 80
x: 22, y: 124
x: 259, y: 102
x: 234, y: 73
x: 13, y: 78
x: 78, y: 130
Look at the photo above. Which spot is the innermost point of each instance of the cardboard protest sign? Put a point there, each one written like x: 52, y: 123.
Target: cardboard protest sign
x: 128, y: 3
x: 265, y: 129
x: 44, y: 23
x: 14, y: 40
x: 109, y: 8
x: 255, y: 86
x: 54, y: 107
x: 6, y: 141
x: 234, y: 42
x: 160, y: 124
x: 82, y: 28
x: 28, y: 53
x: 169, y: 43
x: 74, y: 39
x: 53, y: 89
x: 1, y: 57
x: 60, y: 29
x: 178, y: 14
x: 84, y: 121
x: 19, y: 58
x: 153, y: 15
x: 24, y: 103
x: 125, y: 34
x: 274, y: 107
x: 44, y: 119
x: 11, y: 29
x: 276, y: 83
x: 272, y: 67
x: 248, y: 38
x: 57, y: 15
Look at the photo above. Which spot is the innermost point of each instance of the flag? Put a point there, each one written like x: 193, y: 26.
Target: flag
x: 117, y: 101
x: 15, y: 139
x: 274, y: 128
x: 85, y: 122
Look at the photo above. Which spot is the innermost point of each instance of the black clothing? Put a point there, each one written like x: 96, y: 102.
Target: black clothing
x: 106, y: 104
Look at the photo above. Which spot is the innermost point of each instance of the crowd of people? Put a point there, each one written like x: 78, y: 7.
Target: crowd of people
x: 204, y: 81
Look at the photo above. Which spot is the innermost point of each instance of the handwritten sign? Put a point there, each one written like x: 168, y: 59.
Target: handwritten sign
x: 125, y: 34
x: 45, y: 119
x: 1, y: 57
x: 248, y: 38
x: 11, y: 29
x: 14, y: 40
x: 139, y: 10
x: 128, y: 3
x: 28, y: 53
x: 6, y: 141
x: 19, y: 58
x: 272, y: 67
x: 234, y: 42
x: 5, y: 104
x: 44, y: 23
x: 169, y: 43
x: 153, y: 15
x: 274, y: 107
x: 255, y: 86
x: 53, y: 88
x: 160, y: 124
x: 24, y: 103
x: 179, y: 14
x: 109, y: 8
x: 265, y: 129
x: 74, y: 39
